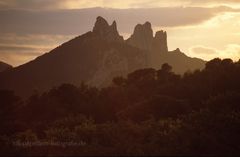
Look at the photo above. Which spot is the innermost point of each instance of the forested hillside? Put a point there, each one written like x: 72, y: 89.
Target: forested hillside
x: 149, y: 112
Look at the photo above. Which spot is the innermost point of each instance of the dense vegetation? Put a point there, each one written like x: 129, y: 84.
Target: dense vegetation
x: 150, y: 112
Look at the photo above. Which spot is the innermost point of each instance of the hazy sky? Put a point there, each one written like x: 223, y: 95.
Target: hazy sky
x: 200, y: 28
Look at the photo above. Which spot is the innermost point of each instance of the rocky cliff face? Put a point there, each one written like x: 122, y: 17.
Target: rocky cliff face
x: 154, y: 46
x: 160, y: 42
x: 106, y: 31
x: 113, y: 62
x: 156, y: 50
x: 95, y: 58
x: 142, y: 37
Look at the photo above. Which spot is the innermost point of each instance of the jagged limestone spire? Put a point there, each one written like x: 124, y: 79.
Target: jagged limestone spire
x: 106, y: 31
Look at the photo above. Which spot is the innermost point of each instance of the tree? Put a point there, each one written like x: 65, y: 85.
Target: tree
x: 165, y: 74
x: 9, y: 104
x: 142, y: 76
x: 166, y: 68
x: 213, y: 64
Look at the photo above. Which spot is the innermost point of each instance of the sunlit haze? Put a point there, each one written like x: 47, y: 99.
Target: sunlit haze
x: 200, y: 28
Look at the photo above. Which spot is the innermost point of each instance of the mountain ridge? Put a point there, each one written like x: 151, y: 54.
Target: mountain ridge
x: 4, y: 66
x: 95, y: 58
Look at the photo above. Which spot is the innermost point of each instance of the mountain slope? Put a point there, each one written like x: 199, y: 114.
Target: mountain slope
x: 90, y: 58
x: 157, y: 51
x: 4, y: 66
x: 95, y: 58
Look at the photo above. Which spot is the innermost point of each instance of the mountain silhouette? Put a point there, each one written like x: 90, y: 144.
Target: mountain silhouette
x: 157, y: 51
x: 4, y: 66
x: 95, y: 58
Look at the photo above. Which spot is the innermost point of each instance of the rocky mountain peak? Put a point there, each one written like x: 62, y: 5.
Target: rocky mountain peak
x: 160, y: 41
x: 114, y: 25
x: 100, y: 24
x: 106, y: 31
x: 142, y: 36
x: 143, y: 39
x: 143, y: 29
x: 96, y: 58
x: 161, y: 34
x: 178, y: 50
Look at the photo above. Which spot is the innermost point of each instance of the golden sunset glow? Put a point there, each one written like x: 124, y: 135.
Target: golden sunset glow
x: 204, y: 29
x: 119, y: 77
x: 77, y: 4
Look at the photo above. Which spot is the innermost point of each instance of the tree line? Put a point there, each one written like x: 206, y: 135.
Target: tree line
x: 148, y: 112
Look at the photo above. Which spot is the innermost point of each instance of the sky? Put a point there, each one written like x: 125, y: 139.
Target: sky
x: 200, y: 28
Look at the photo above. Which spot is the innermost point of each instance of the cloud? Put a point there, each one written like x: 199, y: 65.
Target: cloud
x: 16, y: 58
x: 19, y: 49
x: 81, y: 20
x: 214, y: 2
x: 31, y: 4
x: 201, y: 50
x: 33, y: 39
x: 230, y: 51
x: 76, y: 4
x: 29, y: 28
